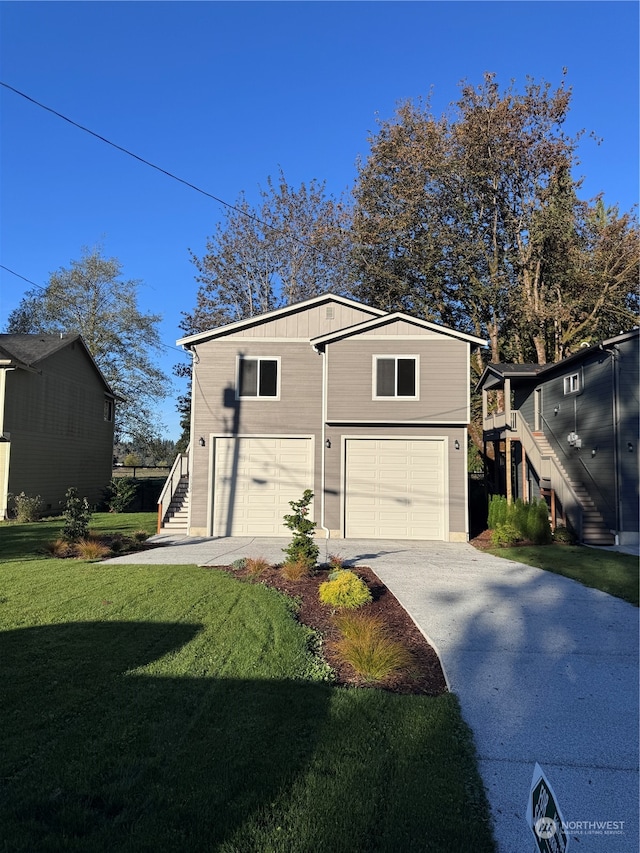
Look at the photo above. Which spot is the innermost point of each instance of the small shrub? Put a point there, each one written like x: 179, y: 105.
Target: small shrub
x: 239, y: 565
x: 140, y: 535
x: 497, y: 511
x: 27, y: 508
x: 505, y: 535
x: 91, y: 549
x: 77, y: 515
x: 59, y: 548
x: 255, y: 566
x: 345, y: 590
x: 366, y: 645
x: 296, y: 570
x: 120, y: 492
x: 563, y: 536
x: 538, y: 527
x: 336, y: 562
x: 302, y: 546
x: 117, y: 544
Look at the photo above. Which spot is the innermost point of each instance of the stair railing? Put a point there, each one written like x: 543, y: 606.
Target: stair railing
x: 548, y: 468
x: 179, y: 469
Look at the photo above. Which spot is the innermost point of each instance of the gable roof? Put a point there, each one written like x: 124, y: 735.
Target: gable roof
x: 248, y: 322
x: 494, y: 374
x: 27, y: 351
x: 385, y: 319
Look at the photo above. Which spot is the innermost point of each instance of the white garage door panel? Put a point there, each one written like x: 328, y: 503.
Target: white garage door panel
x: 254, y: 480
x: 395, y: 488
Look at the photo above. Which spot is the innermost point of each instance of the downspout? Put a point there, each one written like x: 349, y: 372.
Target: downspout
x: 616, y: 437
x: 323, y: 439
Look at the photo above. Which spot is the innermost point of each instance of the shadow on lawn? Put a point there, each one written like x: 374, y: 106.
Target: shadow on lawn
x: 95, y: 755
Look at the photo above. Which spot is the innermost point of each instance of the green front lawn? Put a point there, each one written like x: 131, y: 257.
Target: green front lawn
x: 175, y: 708
x: 609, y: 571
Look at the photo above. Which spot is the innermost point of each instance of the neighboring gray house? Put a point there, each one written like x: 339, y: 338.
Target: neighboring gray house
x: 367, y: 409
x: 56, y: 420
x: 569, y: 431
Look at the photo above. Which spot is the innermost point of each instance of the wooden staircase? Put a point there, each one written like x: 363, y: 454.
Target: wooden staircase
x: 176, y: 518
x: 594, y: 528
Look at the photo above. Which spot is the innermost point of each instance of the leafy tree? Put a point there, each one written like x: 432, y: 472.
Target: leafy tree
x: 90, y: 298
x: 473, y: 219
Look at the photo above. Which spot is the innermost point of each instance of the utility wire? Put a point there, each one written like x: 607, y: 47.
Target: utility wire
x: 44, y: 290
x: 157, y: 168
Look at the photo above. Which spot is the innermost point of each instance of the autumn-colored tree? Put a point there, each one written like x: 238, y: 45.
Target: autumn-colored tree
x: 473, y: 218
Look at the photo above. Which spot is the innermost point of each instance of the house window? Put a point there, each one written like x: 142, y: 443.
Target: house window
x: 258, y: 378
x: 108, y: 410
x: 571, y: 383
x: 395, y: 376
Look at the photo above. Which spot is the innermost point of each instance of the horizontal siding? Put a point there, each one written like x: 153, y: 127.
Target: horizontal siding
x: 298, y: 411
x: 444, y: 381
x: 59, y: 437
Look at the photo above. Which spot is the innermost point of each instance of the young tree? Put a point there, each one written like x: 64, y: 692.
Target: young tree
x: 90, y: 298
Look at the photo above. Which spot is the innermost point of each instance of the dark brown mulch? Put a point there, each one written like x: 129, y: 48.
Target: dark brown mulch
x: 425, y: 676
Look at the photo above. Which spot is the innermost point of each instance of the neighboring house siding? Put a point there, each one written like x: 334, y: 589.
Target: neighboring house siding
x: 58, y: 435
x: 443, y: 381
x: 588, y: 413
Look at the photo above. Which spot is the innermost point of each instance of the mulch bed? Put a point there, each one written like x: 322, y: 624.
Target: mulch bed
x: 425, y: 676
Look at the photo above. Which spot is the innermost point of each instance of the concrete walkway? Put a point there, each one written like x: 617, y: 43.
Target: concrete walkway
x: 545, y: 670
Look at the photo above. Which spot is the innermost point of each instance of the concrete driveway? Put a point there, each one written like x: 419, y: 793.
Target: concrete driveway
x: 545, y: 670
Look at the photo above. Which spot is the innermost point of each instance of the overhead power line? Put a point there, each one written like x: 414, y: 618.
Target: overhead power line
x: 44, y: 289
x: 157, y: 168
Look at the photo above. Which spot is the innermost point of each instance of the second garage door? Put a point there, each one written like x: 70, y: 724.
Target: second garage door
x: 395, y: 489
x: 254, y: 480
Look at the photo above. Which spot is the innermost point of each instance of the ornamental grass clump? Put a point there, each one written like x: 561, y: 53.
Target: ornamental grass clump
x: 296, y: 570
x: 91, y: 549
x: 345, y: 590
x: 255, y: 566
x: 365, y: 644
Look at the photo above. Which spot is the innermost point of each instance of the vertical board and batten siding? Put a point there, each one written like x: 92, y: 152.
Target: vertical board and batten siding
x: 588, y: 413
x: 59, y: 437
x: 629, y: 374
x: 443, y: 380
x: 309, y: 323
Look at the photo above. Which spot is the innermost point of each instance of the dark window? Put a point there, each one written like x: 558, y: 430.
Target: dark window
x: 258, y: 377
x: 108, y: 410
x: 571, y: 383
x: 395, y: 377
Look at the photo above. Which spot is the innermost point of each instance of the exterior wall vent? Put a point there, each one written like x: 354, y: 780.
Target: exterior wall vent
x: 330, y: 312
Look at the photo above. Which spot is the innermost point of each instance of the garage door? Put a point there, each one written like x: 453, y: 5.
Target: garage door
x: 395, y: 489
x: 254, y: 480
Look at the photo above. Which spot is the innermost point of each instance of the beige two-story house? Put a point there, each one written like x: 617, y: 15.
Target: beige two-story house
x: 56, y: 421
x: 367, y: 409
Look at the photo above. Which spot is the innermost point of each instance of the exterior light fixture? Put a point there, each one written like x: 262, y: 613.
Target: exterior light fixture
x: 201, y: 441
x: 327, y: 443
x: 556, y: 410
x: 456, y: 444
x: 630, y: 446
x: 593, y: 452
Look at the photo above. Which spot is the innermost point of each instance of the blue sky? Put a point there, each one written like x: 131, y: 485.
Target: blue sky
x: 224, y: 94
